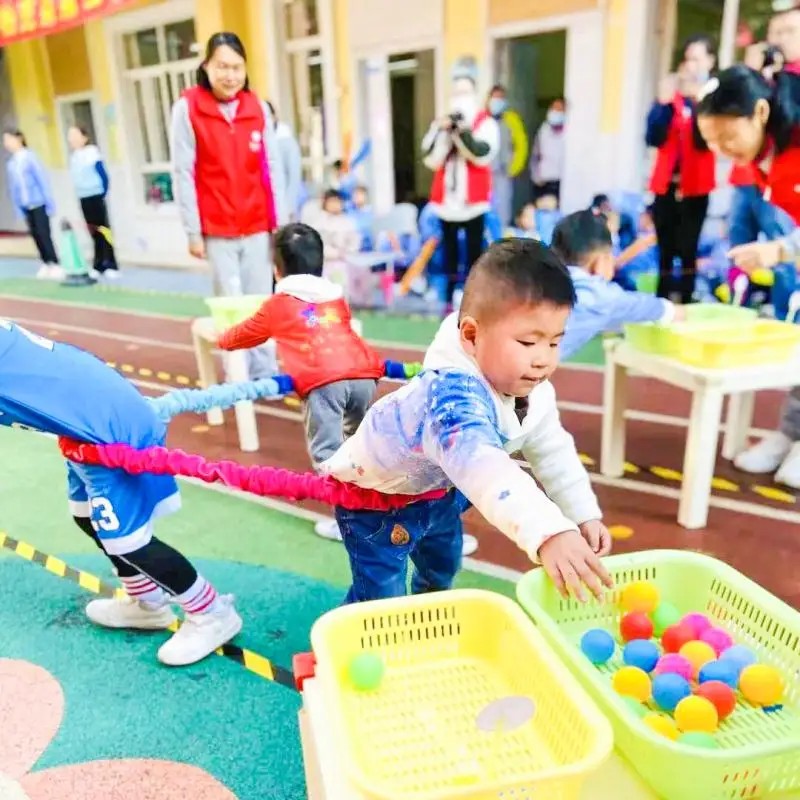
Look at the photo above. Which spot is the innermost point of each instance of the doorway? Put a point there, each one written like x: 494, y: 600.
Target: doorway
x: 8, y: 119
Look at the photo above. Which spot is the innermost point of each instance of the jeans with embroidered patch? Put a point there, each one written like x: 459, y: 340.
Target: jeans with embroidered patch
x: 380, y: 544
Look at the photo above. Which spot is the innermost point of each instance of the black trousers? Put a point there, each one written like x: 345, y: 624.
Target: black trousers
x: 96, y: 215
x: 473, y: 230
x: 678, y: 224
x: 39, y: 227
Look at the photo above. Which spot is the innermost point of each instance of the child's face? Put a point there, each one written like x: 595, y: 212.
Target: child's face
x: 517, y: 349
x: 359, y: 198
x: 527, y: 218
x: 547, y: 202
x: 601, y: 263
x: 333, y: 205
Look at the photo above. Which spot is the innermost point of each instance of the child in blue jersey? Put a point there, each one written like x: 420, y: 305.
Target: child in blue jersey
x: 58, y: 389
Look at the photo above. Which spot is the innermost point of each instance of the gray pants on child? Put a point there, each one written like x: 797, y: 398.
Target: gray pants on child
x: 332, y: 414
x: 790, y: 419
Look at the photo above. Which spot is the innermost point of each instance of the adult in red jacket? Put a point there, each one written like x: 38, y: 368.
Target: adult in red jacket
x: 683, y: 173
x: 228, y: 180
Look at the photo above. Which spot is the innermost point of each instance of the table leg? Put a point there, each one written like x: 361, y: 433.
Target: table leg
x: 615, y: 401
x: 245, y: 411
x: 700, y: 458
x: 738, y: 424
x: 206, y: 369
x: 314, y: 785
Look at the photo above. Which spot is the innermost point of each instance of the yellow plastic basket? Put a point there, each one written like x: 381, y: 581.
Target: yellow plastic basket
x: 759, y: 753
x: 228, y: 311
x: 448, y: 655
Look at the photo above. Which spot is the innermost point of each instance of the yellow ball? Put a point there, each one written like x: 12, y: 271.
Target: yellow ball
x: 639, y: 596
x: 632, y: 682
x: 761, y: 685
x: 696, y: 714
x: 663, y: 725
x: 698, y: 654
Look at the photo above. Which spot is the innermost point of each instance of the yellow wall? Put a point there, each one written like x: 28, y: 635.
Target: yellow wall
x: 69, y: 62
x: 502, y: 11
x: 344, y: 75
x: 464, y: 30
x: 614, y: 65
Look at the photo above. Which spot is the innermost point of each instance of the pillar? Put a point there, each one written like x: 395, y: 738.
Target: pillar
x: 465, y: 23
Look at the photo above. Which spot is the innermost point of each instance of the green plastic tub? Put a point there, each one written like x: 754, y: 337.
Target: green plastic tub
x: 228, y: 311
x: 759, y: 752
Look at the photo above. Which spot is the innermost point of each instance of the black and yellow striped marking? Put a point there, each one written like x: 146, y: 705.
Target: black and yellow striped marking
x: 251, y: 661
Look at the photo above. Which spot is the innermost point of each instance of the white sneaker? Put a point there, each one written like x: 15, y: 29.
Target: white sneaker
x: 44, y: 272
x: 201, y: 634
x: 57, y: 273
x: 111, y: 275
x: 328, y: 529
x: 789, y: 471
x: 125, y: 612
x: 766, y: 456
x: 469, y: 545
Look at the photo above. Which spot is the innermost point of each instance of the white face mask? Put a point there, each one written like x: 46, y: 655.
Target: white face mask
x: 556, y: 118
x: 466, y: 105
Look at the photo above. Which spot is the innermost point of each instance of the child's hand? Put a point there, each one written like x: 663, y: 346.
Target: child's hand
x: 679, y: 314
x: 571, y: 564
x: 597, y: 536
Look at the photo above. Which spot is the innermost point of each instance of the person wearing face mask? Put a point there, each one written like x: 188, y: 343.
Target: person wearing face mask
x: 511, y: 156
x: 460, y: 149
x: 547, y: 155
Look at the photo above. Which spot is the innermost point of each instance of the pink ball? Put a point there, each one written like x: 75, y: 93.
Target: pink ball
x: 720, y: 640
x: 675, y: 664
x: 699, y: 623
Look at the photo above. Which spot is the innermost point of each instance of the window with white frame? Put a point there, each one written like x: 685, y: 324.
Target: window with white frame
x: 158, y: 64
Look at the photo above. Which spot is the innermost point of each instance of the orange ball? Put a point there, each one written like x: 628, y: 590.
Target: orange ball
x: 720, y: 694
x: 640, y: 596
x: 698, y: 654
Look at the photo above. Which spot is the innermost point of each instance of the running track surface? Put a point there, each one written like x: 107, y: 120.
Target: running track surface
x: 753, y: 533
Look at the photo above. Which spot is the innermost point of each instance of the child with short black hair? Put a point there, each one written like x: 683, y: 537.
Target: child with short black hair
x: 334, y: 370
x: 454, y: 427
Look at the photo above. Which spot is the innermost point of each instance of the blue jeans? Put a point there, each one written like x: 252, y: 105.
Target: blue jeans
x: 379, y: 545
x: 751, y: 214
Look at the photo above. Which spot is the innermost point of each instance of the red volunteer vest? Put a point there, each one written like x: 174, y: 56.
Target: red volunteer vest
x: 479, y: 179
x: 234, y: 196
x: 742, y: 175
x: 696, y: 166
x: 781, y: 182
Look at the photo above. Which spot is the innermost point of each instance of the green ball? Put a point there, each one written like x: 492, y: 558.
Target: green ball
x: 366, y: 671
x: 665, y: 615
x: 634, y: 705
x: 704, y: 741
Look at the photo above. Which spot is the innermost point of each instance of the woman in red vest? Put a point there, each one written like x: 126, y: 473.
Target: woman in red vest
x: 228, y: 179
x: 683, y: 173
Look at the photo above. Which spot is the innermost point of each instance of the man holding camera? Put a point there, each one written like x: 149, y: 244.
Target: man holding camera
x: 459, y: 149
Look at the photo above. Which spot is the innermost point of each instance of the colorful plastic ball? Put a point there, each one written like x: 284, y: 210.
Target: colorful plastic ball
x: 719, y: 639
x: 739, y: 655
x: 661, y: 724
x: 696, y: 714
x: 676, y: 636
x: 699, y: 654
x: 761, y: 684
x: 635, y: 706
x: 632, y: 682
x: 720, y: 694
x: 639, y: 596
x: 697, y: 622
x: 641, y: 653
x: 635, y: 625
x: 674, y: 663
x: 723, y: 671
x: 704, y: 741
x: 366, y: 671
x: 665, y: 615
x: 598, y: 645
x: 669, y: 690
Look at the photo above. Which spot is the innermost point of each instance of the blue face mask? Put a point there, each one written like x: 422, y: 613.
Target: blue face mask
x: 556, y: 118
x: 497, y: 105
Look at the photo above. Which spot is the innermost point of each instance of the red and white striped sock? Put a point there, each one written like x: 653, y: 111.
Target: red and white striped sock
x: 201, y: 598
x: 141, y: 588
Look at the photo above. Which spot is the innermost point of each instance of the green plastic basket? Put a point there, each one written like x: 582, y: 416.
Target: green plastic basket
x: 759, y: 752
x: 227, y: 311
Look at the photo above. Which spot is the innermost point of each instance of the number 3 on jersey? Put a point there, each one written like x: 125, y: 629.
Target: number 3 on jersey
x: 103, y: 516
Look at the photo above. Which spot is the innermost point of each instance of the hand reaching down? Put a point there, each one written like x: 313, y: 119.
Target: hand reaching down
x: 569, y: 561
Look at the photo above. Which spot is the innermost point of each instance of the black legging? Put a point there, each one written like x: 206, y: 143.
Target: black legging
x: 473, y: 229
x: 39, y: 227
x: 678, y: 225
x: 96, y: 215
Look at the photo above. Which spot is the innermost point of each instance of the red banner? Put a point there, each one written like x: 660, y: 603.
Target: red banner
x: 24, y: 19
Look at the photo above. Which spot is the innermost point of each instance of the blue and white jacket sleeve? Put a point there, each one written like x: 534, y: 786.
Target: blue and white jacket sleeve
x: 461, y: 436
x: 39, y: 176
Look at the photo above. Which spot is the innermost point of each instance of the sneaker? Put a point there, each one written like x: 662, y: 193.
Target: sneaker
x: 125, y: 612
x: 57, y: 273
x: 469, y: 545
x: 766, y: 456
x: 789, y: 471
x: 44, y: 272
x: 328, y: 529
x: 201, y: 634
x: 111, y: 275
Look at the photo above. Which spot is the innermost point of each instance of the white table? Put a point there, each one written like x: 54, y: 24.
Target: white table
x: 708, y: 388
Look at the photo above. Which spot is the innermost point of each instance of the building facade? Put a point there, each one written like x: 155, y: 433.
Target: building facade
x: 342, y: 72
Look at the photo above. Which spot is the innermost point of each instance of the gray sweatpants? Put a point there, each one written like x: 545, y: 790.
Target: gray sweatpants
x: 790, y: 419
x: 332, y: 414
x: 243, y: 266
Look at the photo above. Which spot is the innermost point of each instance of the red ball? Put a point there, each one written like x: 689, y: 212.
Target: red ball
x: 676, y: 636
x: 720, y: 694
x: 636, y: 625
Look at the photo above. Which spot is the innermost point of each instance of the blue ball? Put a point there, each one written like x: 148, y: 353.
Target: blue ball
x: 641, y: 653
x: 740, y: 656
x: 669, y: 689
x: 598, y: 645
x: 725, y: 671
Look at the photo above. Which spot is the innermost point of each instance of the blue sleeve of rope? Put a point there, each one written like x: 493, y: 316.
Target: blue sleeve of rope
x: 395, y: 370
